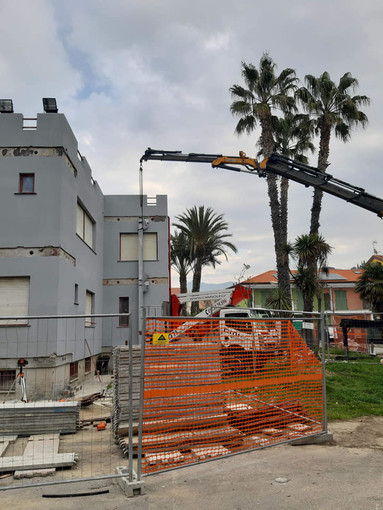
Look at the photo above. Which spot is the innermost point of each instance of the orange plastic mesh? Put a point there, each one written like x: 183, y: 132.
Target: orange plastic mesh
x: 220, y: 387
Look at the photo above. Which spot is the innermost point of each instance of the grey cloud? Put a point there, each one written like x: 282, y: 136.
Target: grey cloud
x: 132, y: 74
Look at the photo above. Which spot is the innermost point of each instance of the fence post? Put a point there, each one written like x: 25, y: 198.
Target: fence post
x: 130, y: 396
x: 323, y: 360
x: 141, y: 407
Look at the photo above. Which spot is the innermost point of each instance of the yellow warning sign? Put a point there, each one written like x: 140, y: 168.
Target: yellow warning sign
x: 160, y: 338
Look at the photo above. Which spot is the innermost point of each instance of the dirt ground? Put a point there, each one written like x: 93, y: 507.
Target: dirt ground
x: 365, y: 432
x: 344, y: 474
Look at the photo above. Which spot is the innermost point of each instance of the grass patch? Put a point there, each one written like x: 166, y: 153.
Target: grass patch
x: 354, y: 389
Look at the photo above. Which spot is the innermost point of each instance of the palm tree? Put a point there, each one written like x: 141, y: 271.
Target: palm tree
x: 180, y: 257
x: 293, y: 138
x: 308, y: 247
x: 279, y: 301
x: 207, y: 232
x: 264, y: 92
x: 370, y: 286
x: 332, y: 109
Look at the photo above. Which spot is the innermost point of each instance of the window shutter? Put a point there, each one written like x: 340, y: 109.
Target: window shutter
x: 341, y: 300
x: 300, y: 304
x: 88, y: 234
x: 79, y: 221
x: 89, y: 308
x: 14, y: 298
x: 150, y: 246
x: 84, y: 226
x: 129, y: 247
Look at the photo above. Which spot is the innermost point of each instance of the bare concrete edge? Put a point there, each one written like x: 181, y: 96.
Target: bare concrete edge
x: 323, y: 437
x: 130, y: 489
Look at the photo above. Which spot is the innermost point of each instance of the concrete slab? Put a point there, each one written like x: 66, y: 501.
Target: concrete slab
x: 130, y: 488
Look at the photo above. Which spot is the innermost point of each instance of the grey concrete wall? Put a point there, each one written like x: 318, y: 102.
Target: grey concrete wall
x: 38, y: 239
x: 121, y: 216
x: 47, y: 218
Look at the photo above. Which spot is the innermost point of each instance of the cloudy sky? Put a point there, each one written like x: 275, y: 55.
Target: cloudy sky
x: 132, y: 74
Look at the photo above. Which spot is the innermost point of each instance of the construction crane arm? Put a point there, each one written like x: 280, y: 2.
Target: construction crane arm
x: 282, y: 166
x: 311, y: 176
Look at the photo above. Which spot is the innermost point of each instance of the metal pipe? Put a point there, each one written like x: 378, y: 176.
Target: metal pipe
x: 58, y: 482
x: 130, y: 397
x: 322, y: 329
x: 141, y: 409
x: 140, y: 234
x: 82, y: 316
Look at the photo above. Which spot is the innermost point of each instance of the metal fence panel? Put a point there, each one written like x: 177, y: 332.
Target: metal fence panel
x: 217, y: 387
x: 359, y: 339
x: 56, y: 398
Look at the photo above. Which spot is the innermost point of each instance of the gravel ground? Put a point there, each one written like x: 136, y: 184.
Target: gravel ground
x: 346, y: 474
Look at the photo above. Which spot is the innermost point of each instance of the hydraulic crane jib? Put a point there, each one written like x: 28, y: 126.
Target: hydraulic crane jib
x: 278, y: 165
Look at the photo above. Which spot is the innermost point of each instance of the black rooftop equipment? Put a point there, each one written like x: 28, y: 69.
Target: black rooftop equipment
x: 50, y: 105
x: 6, y: 106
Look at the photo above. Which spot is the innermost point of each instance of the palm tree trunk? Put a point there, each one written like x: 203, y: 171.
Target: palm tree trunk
x: 285, y: 270
x: 308, y: 334
x: 183, y: 282
x: 324, y: 150
x: 284, y: 208
x: 196, y: 283
x: 278, y: 209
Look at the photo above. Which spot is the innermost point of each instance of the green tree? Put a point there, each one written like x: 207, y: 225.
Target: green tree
x: 305, y: 249
x: 331, y: 108
x: 308, y: 247
x: 279, y: 301
x: 207, y: 232
x: 370, y: 286
x: 264, y: 92
x: 293, y: 138
x: 180, y: 257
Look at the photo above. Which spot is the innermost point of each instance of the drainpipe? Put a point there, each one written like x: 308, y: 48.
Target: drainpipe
x: 141, y: 261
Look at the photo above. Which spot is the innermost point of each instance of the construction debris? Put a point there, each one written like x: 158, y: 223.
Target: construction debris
x: 210, y: 452
x: 39, y: 417
x: 30, y: 473
x: 121, y: 410
x: 41, y: 452
x: 89, y: 399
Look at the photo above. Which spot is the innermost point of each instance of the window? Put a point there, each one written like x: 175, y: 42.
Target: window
x: 129, y: 247
x: 73, y: 371
x: 124, y: 308
x: 27, y: 183
x: 84, y: 226
x: 300, y: 305
x: 14, y: 299
x: 327, y: 301
x: 88, y: 365
x: 265, y: 294
x: 7, y: 379
x: 341, y: 300
x: 76, y: 294
x: 89, y: 309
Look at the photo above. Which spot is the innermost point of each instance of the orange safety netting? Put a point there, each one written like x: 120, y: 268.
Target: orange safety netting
x: 215, y: 387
